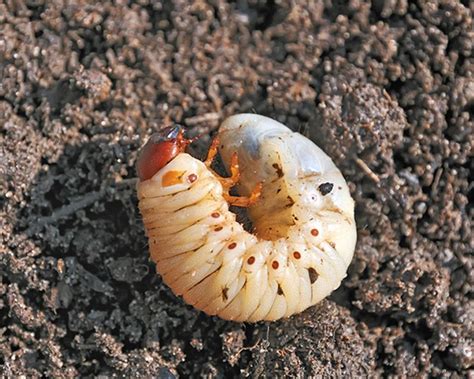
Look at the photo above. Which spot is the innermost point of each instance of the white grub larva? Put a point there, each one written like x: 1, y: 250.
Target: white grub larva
x: 299, y: 203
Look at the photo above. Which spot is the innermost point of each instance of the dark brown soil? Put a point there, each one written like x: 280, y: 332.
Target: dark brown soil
x: 385, y: 87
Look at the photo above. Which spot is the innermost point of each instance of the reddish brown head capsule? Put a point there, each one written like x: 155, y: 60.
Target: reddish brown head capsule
x: 160, y: 149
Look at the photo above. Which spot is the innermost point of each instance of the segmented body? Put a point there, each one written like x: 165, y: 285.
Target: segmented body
x: 304, y: 236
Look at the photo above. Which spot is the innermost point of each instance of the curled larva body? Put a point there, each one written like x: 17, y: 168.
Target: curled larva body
x: 304, y: 237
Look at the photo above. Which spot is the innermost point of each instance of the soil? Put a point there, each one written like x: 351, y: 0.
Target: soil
x: 386, y: 88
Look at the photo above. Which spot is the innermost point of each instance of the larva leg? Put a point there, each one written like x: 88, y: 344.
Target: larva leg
x: 228, y: 183
x: 243, y: 201
x: 211, y: 154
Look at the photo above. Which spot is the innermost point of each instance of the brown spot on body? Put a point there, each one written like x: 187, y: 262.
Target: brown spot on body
x: 290, y: 202
x: 251, y: 260
x: 297, y: 255
x: 172, y: 177
x: 278, y: 170
x: 280, y: 290
x: 275, y: 265
x: 314, y: 232
x: 215, y: 214
x: 192, y: 178
x: 313, y: 275
x: 335, y: 210
x: 224, y: 294
x: 218, y: 229
x: 232, y: 245
x: 325, y: 188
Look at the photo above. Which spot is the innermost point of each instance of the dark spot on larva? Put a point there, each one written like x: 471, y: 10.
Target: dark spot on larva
x: 215, y: 214
x: 232, y: 245
x: 325, y: 188
x: 314, y: 232
x: 192, y: 178
x: 222, y: 146
x: 279, y: 290
x: 275, y: 265
x: 297, y: 255
x: 339, y: 187
x: 332, y: 244
x: 313, y: 275
x: 224, y: 293
x: 251, y: 260
x: 290, y: 202
x: 278, y: 190
x: 295, y: 218
x: 278, y: 170
x: 218, y: 229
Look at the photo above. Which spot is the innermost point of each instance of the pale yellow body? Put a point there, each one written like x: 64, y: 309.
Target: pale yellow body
x: 303, y: 242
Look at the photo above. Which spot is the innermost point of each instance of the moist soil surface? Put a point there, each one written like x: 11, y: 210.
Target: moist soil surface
x: 386, y: 88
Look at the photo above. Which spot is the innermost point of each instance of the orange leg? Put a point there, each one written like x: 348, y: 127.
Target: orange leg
x: 243, y: 201
x: 211, y: 154
x: 228, y: 183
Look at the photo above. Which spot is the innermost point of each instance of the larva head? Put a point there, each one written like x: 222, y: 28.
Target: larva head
x: 160, y: 149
